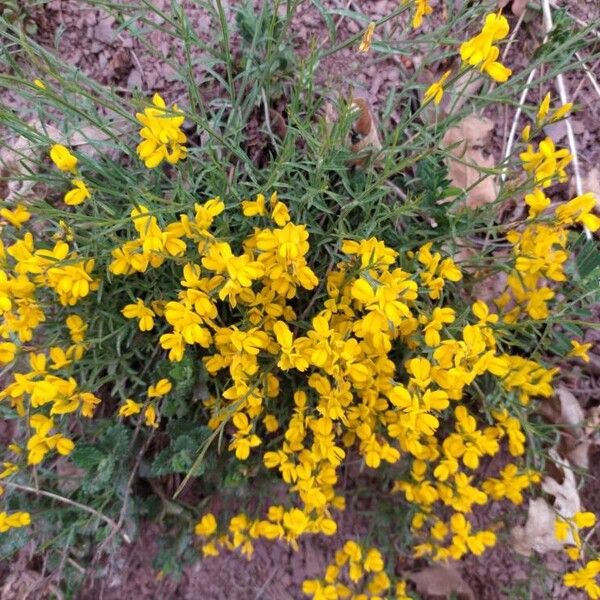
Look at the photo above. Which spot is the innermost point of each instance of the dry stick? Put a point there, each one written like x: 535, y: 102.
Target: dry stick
x: 515, y: 123
x: 562, y: 92
x: 514, y: 34
x: 108, y: 520
x: 590, y: 76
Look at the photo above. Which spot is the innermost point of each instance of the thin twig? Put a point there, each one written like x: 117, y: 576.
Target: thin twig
x: 89, y: 509
x: 562, y: 92
x: 514, y: 34
x: 590, y: 76
x: 513, y: 130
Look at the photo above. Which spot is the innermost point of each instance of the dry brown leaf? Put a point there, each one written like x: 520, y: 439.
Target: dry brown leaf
x: 539, y: 532
x: 365, y: 136
x: 440, y: 581
x: 564, y: 409
x: 469, y: 138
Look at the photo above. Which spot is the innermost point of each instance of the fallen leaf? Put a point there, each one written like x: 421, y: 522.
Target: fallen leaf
x: 564, y: 409
x: 539, y: 532
x: 363, y: 136
x: 364, y: 131
x: 440, y: 581
x: 468, y: 139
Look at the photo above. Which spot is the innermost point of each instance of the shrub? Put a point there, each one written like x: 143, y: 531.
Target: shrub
x: 174, y: 307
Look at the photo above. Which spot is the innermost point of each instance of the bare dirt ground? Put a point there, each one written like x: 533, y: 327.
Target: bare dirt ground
x: 88, y: 39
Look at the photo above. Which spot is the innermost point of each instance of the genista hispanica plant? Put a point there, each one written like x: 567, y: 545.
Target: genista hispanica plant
x: 180, y: 320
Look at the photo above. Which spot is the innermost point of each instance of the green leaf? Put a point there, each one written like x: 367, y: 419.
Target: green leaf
x: 86, y: 457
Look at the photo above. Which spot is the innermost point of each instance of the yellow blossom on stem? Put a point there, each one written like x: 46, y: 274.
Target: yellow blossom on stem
x: 8, y: 350
x: 365, y: 43
x: 561, y: 112
x: 17, y: 216
x: 14, y: 520
x: 479, y: 51
x: 162, y: 138
x: 141, y: 312
x: 543, y: 109
x: 129, y: 408
x: 62, y: 158
x: 206, y: 526
x: 580, y: 350
x: 160, y: 388
x: 422, y: 9
x: 537, y: 201
x: 78, y: 194
x: 435, y: 91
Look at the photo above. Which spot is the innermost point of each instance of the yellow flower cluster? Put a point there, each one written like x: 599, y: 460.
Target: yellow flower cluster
x: 281, y: 523
x: 131, y: 407
x: 364, y: 571
x: 585, y: 579
x: 162, y: 138
x: 32, y: 279
x: 480, y: 51
x: 355, y: 397
x: 546, y: 163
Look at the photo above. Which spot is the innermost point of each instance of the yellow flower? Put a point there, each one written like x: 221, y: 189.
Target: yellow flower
x: 271, y: 423
x: 559, y: 113
x: 584, y: 520
x: 537, y: 201
x: 206, y: 526
x: 14, y: 520
x: 39, y: 83
x: 129, y: 408
x: 580, y: 350
x: 579, y: 210
x: 78, y: 194
x: 436, y: 90
x: 7, y: 352
x: 543, y: 109
x: 17, y: 216
x: 62, y: 158
x: 584, y: 578
x: 479, y: 51
x: 139, y: 311
x: 77, y: 328
x: 365, y: 43
x: 150, y: 416
x: 525, y: 134
x: 422, y: 9
x: 162, y: 138
x: 373, y: 561
x: 161, y: 388
x: 254, y: 208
